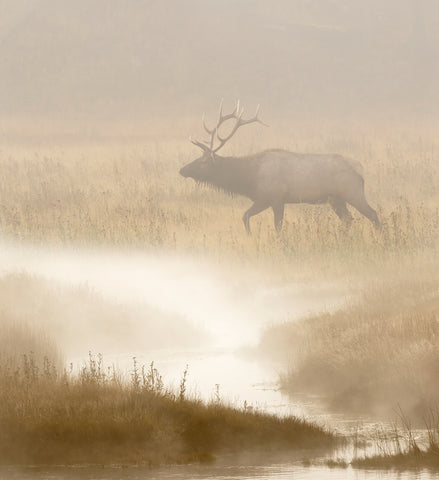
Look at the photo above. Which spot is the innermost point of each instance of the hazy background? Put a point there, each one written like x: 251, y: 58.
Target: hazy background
x: 114, y: 60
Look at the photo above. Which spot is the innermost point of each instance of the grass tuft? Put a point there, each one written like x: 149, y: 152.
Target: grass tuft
x: 394, y: 455
x: 95, y: 416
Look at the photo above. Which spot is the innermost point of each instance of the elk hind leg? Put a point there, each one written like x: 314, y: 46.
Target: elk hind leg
x: 365, y: 209
x: 256, y: 208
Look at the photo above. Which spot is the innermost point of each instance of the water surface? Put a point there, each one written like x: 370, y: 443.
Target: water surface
x: 233, y: 307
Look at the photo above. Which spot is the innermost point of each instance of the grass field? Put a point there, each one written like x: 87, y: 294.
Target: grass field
x: 131, y: 196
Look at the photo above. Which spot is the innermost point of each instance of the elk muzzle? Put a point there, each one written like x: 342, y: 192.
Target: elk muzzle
x: 185, y: 171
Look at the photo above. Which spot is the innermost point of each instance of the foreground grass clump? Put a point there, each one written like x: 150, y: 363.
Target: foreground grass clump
x: 410, y: 459
x: 402, y: 451
x: 378, y: 351
x: 94, y: 416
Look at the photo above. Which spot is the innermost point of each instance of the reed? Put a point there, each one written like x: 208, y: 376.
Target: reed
x: 402, y: 450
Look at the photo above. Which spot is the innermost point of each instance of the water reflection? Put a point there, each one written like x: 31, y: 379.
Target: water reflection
x: 295, y: 471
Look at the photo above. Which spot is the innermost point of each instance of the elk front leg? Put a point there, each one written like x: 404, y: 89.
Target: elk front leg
x: 256, y: 208
x: 278, y: 211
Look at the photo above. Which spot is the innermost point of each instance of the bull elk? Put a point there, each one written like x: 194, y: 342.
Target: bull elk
x: 273, y: 178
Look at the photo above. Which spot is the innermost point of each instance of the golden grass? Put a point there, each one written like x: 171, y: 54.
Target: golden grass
x: 377, y: 352
x: 21, y: 329
x: 130, y: 195
x: 371, y: 355
x: 95, y: 417
x: 99, y: 415
x: 18, y: 336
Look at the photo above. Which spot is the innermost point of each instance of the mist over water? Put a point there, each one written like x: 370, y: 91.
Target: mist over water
x: 227, y: 308
x: 231, y: 305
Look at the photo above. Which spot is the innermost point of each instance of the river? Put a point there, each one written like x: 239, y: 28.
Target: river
x: 232, y: 307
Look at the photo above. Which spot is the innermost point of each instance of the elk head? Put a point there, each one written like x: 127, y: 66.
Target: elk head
x: 203, y: 168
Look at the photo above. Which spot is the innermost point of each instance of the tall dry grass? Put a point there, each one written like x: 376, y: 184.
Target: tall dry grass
x: 380, y: 351
x: 400, y: 448
x: 98, y: 416
x: 21, y: 333
x: 20, y: 337
x: 130, y: 195
x: 50, y: 414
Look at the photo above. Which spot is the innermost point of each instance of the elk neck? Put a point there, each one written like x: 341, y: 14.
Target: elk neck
x: 233, y: 174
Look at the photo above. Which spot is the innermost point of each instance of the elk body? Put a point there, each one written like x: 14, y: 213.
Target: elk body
x: 273, y: 178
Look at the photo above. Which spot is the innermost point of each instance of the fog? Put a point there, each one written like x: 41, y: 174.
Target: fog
x: 174, y: 311
x: 116, y: 61
x: 105, y: 248
x: 217, y: 307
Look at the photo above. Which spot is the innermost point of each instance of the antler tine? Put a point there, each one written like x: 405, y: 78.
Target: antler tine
x: 228, y: 116
x: 257, y: 118
x: 230, y: 135
x: 201, y: 145
x: 220, y: 115
x: 208, y: 130
x: 238, y: 113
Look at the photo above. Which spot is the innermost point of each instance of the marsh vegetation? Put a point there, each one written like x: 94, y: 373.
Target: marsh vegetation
x: 373, y: 353
x: 376, y: 352
x: 402, y: 449
x: 100, y: 415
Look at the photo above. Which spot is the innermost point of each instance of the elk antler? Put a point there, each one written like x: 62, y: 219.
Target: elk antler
x: 202, y: 145
x: 236, y: 114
